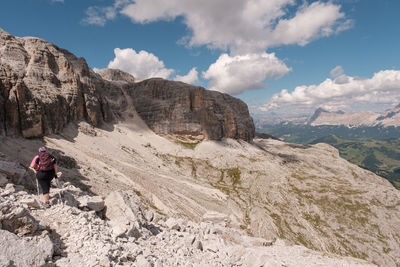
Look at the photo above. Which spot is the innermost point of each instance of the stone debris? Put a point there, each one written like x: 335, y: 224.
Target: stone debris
x: 73, y: 232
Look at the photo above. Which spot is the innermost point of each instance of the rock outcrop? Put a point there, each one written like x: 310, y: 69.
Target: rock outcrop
x: 116, y: 75
x: 176, y: 108
x: 44, y: 87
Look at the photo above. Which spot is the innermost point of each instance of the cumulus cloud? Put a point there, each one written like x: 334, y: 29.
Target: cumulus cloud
x: 191, y: 78
x: 245, y: 29
x: 246, y: 25
x: 236, y: 74
x: 382, y: 88
x: 140, y: 64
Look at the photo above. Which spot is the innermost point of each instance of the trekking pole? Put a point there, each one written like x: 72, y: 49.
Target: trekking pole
x: 58, y: 183
x: 37, y: 182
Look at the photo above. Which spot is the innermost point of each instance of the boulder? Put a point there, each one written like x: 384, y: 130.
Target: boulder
x: 125, y: 204
x: 18, y: 220
x: 95, y: 203
x: 16, y: 251
x: 121, y: 227
x: 173, y: 224
x: 12, y: 170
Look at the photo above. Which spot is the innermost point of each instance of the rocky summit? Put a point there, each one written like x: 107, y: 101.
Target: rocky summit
x: 44, y: 87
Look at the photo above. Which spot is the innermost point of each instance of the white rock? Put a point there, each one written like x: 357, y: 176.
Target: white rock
x: 12, y: 170
x: 197, y: 244
x: 31, y: 202
x: 24, y: 253
x: 142, y: 262
x: 125, y: 204
x: 173, y: 224
x: 95, y: 203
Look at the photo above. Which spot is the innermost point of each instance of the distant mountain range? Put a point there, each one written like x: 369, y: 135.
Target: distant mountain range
x: 322, y: 117
x: 361, y: 119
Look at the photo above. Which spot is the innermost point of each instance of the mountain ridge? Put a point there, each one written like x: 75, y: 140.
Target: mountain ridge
x: 43, y: 88
x: 390, y: 117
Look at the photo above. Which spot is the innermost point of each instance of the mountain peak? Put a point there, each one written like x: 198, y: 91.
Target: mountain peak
x: 116, y: 75
x: 316, y: 114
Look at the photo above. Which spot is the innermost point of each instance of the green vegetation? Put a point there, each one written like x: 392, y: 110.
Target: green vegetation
x: 234, y: 174
x: 379, y: 156
x: 188, y: 144
x: 373, y: 148
x: 305, y: 134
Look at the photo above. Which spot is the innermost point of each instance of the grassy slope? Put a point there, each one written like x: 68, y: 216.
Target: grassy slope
x: 380, y: 156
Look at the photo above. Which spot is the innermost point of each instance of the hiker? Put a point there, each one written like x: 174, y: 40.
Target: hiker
x: 45, y: 166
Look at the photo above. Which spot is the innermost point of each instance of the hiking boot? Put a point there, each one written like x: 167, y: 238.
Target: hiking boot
x: 46, y: 205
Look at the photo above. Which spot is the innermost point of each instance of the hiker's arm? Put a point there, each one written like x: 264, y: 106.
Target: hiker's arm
x: 33, y: 164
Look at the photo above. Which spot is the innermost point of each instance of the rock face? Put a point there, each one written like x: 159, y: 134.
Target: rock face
x: 44, y: 87
x: 116, y: 75
x: 195, y: 113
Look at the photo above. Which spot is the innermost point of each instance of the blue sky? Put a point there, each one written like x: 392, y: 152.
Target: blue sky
x: 282, y: 56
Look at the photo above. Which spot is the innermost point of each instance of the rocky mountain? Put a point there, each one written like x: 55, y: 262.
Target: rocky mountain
x: 253, y: 192
x: 361, y: 119
x: 44, y: 87
x: 390, y: 118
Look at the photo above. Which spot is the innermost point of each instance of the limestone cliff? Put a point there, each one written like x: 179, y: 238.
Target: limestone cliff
x: 188, y: 111
x: 43, y: 87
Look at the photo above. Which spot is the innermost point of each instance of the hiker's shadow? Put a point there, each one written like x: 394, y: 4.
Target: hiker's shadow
x: 70, y: 169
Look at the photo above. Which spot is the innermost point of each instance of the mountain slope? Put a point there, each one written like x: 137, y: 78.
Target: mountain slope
x: 304, y: 194
x: 379, y: 156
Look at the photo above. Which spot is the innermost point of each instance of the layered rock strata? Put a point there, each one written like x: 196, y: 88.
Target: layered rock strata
x: 44, y: 87
x: 188, y: 111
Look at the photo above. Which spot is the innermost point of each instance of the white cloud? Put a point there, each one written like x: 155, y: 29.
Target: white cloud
x: 337, y: 71
x: 233, y: 75
x: 191, y: 78
x: 244, y: 28
x: 95, y: 16
x: 310, y: 22
x: 99, y: 15
x: 246, y: 25
x: 348, y: 94
x: 141, y: 65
